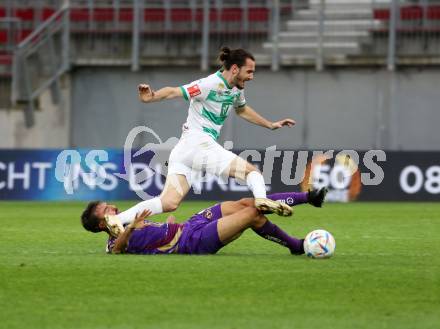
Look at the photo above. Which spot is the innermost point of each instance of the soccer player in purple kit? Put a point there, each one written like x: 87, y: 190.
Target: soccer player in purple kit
x: 204, y: 233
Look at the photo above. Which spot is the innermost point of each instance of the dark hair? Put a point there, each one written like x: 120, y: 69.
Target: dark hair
x: 89, y: 219
x: 229, y: 57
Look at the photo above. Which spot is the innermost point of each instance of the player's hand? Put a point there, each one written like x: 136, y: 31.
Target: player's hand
x: 283, y: 123
x: 139, y: 220
x: 171, y: 219
x: 146, y: 93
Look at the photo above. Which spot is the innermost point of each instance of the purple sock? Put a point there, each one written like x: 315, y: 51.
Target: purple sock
x: 290, y: 198
x: 273, y: 233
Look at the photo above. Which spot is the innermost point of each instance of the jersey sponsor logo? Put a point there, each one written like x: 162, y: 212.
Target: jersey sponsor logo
x: 220, y: 98
x: 194, y: 91
x: 289, y: 201
x: 207, y: 214
x: 221, y: 93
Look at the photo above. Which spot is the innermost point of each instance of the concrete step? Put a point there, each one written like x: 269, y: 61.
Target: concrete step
x: 328, y: 36
x: 337, y: 25
x: 334, y: 14
x: 307, y: 59
x: 311, y: 47
x: 348, y: 4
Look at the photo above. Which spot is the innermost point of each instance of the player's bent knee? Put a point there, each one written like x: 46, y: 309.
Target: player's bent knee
x: 169, y: 205
x: 250, y: 168
x: 251, y: 213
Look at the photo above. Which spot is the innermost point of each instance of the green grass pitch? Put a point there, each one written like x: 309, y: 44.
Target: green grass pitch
x: 385, y: 274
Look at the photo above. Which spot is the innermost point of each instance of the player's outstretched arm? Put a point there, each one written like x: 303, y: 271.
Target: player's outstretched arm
x: 122, y: 240
x: 148, y: 95
x: 249, y: 114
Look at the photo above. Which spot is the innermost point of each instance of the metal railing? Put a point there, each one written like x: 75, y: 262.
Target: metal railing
x: 144, y: 32
x: 10, y: 30
x: 39, y: 62
x: 315, y: 32
x: 414, y: 32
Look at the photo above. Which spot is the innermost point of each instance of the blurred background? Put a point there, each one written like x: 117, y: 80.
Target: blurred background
x: 355, y: 75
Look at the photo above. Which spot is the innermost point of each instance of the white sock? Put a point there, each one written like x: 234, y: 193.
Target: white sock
x: 155, y: 205
x: 255, y: 182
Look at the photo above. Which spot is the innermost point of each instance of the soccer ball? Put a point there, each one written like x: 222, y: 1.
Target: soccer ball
x: 319, y: 244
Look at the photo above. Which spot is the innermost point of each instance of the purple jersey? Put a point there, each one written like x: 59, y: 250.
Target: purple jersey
x: 198, y: 235
x: 155, y: 238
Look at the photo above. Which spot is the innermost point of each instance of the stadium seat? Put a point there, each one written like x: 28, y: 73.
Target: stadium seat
x: 3, y: 37
x: 231, y: 14
x: 125, y: 15
x: 258, y: 14
x: 182, y: 20
x: 154, y: 18
x: 213, y: 15
x: 154, y: 15
x: 79, y: 14
x: 181, y: 15
x: 103, y: 14
x: 25, y: 14
x: 382, y: 14
x: 22, y: 35
x: 47, y: 12
x: 434, y: 12
x: 409, y: 13
x: 19, y: 36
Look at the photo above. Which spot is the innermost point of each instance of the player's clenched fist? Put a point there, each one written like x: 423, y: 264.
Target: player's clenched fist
x: 146, y: 94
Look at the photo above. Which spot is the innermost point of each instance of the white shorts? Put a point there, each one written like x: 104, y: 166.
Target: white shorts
x: 196, y: 153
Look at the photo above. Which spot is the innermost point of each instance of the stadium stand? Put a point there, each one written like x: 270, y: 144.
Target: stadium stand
x: 101, y: 32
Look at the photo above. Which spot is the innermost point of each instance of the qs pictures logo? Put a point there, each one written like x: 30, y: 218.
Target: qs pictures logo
x: 340, y: 175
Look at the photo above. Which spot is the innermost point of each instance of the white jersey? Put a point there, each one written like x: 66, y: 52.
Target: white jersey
x: 211, y: 99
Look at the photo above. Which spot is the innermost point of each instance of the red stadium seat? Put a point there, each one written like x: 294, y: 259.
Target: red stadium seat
x: 382, y: 14
x: 47, y: 12
x: 2, y: 12
x: 3, y: 36
x: 213, y: 16
x: 154, y: 15
x: 25, y: 14
x: 79, y: 14
x: 103, y: 14
x: 258, y: 14
x: 433, y: 12
x: 409, y: 13
x: 22, y: 35
x: 126, y: 15
x: 231, y: 14
x: 181, y: 15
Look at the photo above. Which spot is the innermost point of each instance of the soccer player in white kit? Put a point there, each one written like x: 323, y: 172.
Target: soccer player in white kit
x: 211, y: 100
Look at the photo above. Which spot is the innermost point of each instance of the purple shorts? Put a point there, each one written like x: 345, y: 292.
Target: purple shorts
x: 200, y: 235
